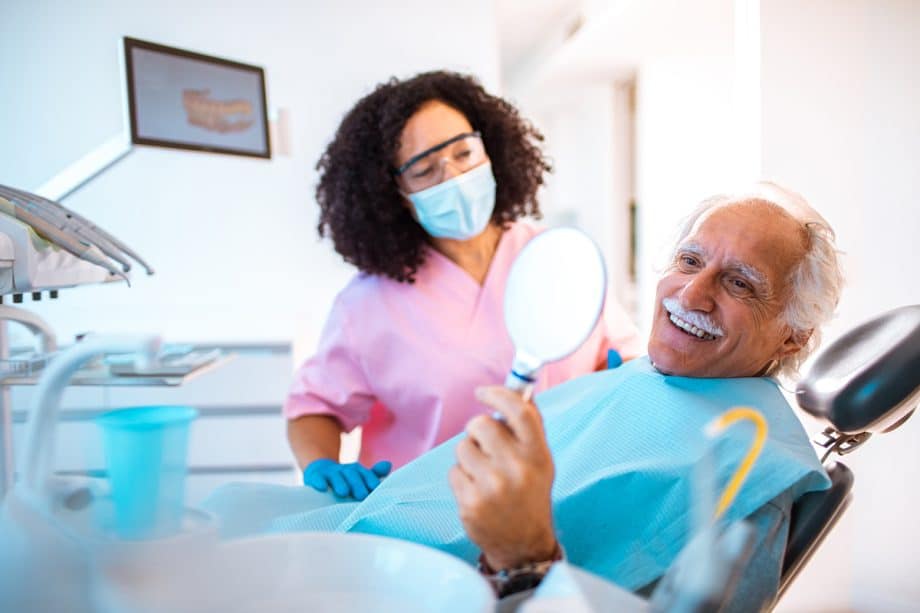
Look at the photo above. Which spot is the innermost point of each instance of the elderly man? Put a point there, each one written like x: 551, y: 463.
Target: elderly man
x: 752, y: 278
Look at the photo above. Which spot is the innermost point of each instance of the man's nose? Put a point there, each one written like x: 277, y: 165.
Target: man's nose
x: 697, y: 294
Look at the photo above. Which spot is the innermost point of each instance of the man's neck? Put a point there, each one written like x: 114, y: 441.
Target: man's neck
x: 767, y: 371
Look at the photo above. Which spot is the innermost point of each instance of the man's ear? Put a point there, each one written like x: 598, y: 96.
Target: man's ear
x: 793, y: 343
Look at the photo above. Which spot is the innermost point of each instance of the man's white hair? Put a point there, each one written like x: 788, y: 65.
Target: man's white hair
x: 816, y: 281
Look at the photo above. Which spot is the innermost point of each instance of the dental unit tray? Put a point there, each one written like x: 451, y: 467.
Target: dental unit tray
x: 172, y: 367
x: 29, y: 263
x: 179, y: 362
x: 45, y: 246
x: 24, y: 363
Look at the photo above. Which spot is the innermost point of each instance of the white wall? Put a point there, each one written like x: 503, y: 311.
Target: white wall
x: 233, y: 239
x: 840, y: 123
x: 584, y: 189
x: 684, y: 152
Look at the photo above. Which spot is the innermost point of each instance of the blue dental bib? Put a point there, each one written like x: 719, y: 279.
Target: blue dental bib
x: 625, y: 443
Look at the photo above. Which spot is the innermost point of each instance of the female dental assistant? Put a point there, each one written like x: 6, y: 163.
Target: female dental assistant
x: 421, y: 190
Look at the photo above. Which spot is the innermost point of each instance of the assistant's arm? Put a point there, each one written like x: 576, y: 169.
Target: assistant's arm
x: 329, y: 393
x: 313, y: 437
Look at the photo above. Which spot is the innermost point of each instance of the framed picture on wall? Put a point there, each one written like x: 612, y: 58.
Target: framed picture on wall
x: 187, y: 100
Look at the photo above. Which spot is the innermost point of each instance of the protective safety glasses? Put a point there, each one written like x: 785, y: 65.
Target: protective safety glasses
x: 426, y: 169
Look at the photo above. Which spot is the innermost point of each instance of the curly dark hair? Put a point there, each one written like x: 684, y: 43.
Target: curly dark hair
x: 361, y: 207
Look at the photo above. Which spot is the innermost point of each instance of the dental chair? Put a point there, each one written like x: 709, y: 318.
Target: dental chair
x: 867, y: 382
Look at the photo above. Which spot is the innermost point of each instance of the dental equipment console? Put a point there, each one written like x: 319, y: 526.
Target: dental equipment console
x: 47, y: 520
x: 45, y: 246
x: 48, y: 246
x: 867, y: 382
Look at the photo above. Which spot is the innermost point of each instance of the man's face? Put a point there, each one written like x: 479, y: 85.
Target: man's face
x: 718, y: 310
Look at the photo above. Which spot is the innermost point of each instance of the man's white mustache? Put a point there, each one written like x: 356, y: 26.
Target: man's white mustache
x: 695, y: 318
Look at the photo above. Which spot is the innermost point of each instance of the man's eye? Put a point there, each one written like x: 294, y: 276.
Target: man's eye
x: 740, y: 285
x: 688, y: 261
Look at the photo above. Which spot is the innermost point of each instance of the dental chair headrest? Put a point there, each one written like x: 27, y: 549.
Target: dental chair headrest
x: 868, y: 380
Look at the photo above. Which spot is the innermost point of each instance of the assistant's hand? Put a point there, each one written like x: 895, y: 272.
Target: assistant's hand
x: 346, y: 480
x: 502, y: 482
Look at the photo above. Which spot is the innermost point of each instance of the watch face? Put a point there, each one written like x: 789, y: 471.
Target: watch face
x: 520, y: 582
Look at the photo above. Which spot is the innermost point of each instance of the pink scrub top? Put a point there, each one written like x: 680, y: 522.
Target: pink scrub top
x: 402, y: 360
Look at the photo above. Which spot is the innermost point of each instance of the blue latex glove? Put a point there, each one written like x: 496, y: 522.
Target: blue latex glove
x: 346, y: 480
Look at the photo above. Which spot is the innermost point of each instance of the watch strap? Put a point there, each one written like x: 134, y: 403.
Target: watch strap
x: 508, y: 581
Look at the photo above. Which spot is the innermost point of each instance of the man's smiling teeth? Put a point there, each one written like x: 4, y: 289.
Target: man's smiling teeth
x: 689, y: 328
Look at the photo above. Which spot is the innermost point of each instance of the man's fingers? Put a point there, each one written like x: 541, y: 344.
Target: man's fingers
x: 471, y: 459
x: 460, y: 484
x: 493, y: 437
x: 457, y: 478
x: 522, y: 417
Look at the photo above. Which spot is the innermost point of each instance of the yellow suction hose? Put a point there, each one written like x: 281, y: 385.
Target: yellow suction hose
x: 716, y: 427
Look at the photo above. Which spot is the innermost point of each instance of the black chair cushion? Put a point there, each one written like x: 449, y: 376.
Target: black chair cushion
x: 868, y: 379
x: 813, y: 515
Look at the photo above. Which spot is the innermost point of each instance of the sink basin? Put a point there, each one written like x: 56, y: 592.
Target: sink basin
x: 311, y: 571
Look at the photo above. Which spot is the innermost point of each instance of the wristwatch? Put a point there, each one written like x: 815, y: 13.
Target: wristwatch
x: 509, y: 581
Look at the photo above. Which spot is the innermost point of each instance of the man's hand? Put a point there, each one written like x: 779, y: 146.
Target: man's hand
x: 502, y: 482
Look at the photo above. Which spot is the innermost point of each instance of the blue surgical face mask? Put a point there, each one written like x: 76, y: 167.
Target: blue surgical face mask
x: 459, y: 208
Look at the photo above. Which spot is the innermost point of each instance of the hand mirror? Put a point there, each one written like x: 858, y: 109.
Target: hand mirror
x: 553, y: 299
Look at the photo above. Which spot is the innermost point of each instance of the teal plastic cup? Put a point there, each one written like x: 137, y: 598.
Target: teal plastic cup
x: 146, y: 450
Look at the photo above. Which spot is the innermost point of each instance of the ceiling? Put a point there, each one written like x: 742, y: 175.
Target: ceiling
x: 551, y: 41
x: 524, y: 25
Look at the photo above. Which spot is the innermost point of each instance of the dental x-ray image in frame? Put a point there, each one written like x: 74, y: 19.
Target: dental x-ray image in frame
x: 189, y: 100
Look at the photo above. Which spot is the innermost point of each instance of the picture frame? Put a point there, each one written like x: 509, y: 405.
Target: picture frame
x: 186, y: 100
